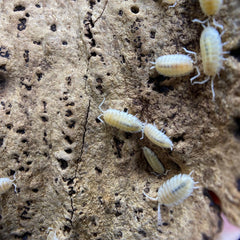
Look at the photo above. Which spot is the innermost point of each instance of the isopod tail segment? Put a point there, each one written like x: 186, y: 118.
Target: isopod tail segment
x: 195, y: 61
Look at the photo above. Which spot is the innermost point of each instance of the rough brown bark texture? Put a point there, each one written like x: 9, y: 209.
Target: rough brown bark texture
x: 58, y: 60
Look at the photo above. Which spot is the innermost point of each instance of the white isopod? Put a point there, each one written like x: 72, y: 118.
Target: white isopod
x: 51, y: 234
x: 173, y: 192
x: 211, y: 53
x: 153, y: 160
x: 6, y: 183
x: 210, y: 7
x: 121, y: 120
x: 156, y: 136
x: 176, y: 65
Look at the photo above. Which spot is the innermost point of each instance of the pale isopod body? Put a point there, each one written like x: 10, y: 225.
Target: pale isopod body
x: 156, y: 136
x: 173, y: 192
x: 121, y: 120
x: 153, y: 160
x: 210, y: 7
x: 6, y: 183
x: 175, y: 65
x: 51, y: 234
x: 211, y: 51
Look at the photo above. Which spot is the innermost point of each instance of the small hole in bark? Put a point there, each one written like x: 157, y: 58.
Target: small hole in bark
x: 21, y: 131
x: 19, y: 8
x: 143, y: 233
x: 39, y: 76
x: 22, y: 25
x: 68, y: 139
x: 68, y: 150
x: 120, y: 12
x: 152, y: 34
x: 63, y: 163
x: 53, y: 27
x: 135, y: 9
x: 99, y: 170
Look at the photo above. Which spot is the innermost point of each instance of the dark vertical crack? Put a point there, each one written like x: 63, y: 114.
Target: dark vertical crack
x: 72, y: 211
x: 80, y: 157
x: 84, y: 135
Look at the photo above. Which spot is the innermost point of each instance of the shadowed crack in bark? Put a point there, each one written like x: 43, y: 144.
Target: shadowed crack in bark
x: 81, y: 153
x: 84, y: 135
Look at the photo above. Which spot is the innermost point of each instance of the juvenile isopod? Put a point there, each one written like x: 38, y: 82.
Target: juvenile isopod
x: 6, y: 183
x: 176, y: 65
x: 210, y: 7
x: 121, y: 120
x: 156, y: 136
x: 173, y: 192
x: 211, y: 53
x: 51, y: 234
x: 153, y: 160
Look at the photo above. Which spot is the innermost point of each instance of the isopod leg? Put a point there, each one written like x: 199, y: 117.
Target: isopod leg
x: 216, y: 24
x: 151, y: 198
x: 143, y: 130
x: 166, y: 172
x: 99, y: 118
x: 202, y: 82
x: 212, y: 87
x: 15, y: 187
x: 162, y: 130
x: 101, y: 105
x: 191, y: 52
x: 196, y: 76
x: 199, y: 21
x: 173, y: 4
x: 142, y: 134
x: 191, y: 172
x: 159, y: 215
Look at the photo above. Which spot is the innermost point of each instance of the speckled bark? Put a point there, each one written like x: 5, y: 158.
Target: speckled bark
x: 58, y: 60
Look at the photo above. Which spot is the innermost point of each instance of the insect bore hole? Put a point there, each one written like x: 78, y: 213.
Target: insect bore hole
x: 135, y: 9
